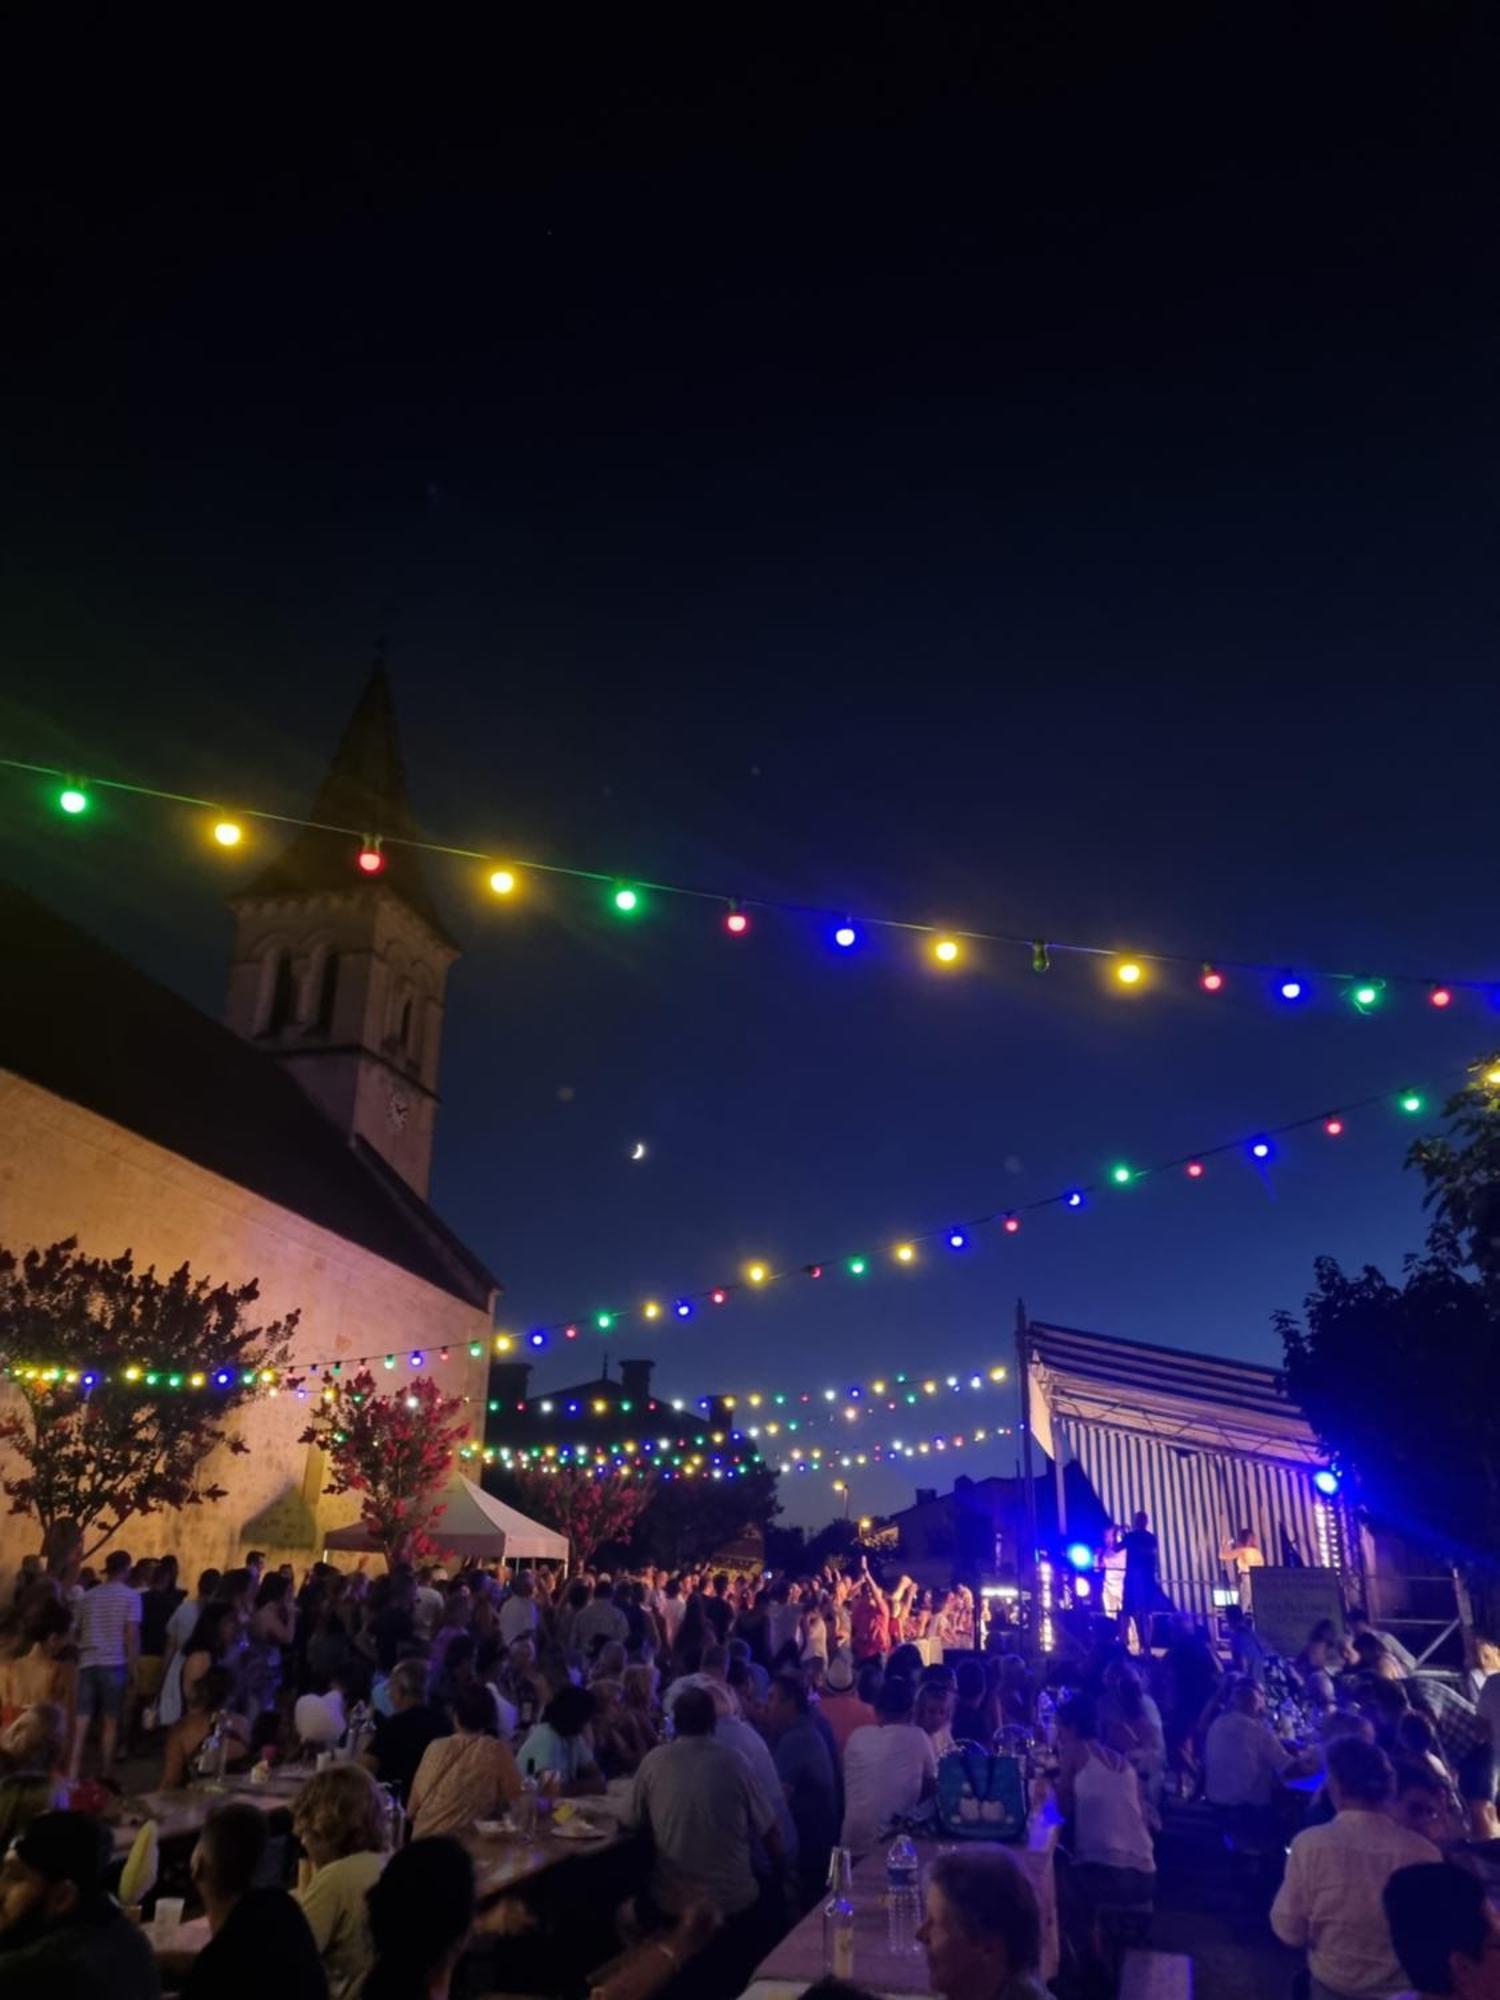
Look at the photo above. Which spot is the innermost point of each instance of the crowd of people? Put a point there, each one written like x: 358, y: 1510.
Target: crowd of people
x: 750, y: 1726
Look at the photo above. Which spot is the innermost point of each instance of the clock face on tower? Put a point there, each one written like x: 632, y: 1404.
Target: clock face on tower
x: 397, y: 1110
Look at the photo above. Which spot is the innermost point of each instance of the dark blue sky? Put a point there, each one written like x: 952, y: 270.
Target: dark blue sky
x: 1033, y: 477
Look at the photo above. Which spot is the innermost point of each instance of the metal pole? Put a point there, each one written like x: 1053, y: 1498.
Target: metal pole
x: 1026, y: 1567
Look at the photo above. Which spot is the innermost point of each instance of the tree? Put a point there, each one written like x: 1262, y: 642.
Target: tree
x: 100, y: 1442
x: 689, y: 1519
x: 395, y: 1451
x: 1398, y: 1379
x: 592, y: 1509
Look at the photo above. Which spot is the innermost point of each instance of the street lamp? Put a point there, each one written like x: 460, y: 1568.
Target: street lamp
x: 842, y: 1486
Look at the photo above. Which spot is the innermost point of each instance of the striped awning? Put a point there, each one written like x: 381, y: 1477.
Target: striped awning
x: 1204, y: 1445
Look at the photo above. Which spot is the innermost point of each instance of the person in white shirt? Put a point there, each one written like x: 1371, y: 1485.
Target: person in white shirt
x: 1445, y: 1932
x: 1330, y: 1902
x: 427, y: 1605
x: 889, y: 1768
x: 109, y: 1639
x: 1242, y: 1755
x: 518, y: 1614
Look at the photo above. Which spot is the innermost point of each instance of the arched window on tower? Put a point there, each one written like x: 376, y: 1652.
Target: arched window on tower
x: 326, y: 995
x: 283, y: 1007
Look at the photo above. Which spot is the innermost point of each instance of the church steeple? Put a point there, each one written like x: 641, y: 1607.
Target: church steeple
x: 340, y: 975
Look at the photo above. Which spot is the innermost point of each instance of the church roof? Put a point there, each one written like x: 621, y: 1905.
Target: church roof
x: 363, y: 794
x: 82, y: 1022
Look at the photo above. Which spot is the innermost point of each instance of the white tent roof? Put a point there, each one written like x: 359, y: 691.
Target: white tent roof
x: 473, y: 1523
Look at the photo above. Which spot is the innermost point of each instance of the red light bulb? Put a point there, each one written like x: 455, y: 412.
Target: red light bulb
x: 1440, y: 996
x: 718, y: 1297
x: 815, y: 1270
x: 1211, y: 981
x: 1195, y: 1170
x: 1333, y: 1127
x: 371, y: 860
x: 737, y: 923
x: 1011, y: 1224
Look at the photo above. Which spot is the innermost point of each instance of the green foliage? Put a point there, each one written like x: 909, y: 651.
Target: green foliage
x: 1398, y: 1379
x: 593, y: 1511
x: 99, y: 1457
x: 396, y: 1452
x: 690, y: 1519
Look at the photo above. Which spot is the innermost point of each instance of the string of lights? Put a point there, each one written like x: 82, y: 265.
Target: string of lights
x: 504, y: 877
x: 857, y: 1399
x: 1258, y: 1151
x: 819, y: 1460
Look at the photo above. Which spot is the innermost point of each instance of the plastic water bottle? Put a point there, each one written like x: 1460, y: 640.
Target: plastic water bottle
x: 903, y: 1896
x: 838, y: 1917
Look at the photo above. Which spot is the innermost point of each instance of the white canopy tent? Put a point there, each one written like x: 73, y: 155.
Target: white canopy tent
x: 473, y: 1524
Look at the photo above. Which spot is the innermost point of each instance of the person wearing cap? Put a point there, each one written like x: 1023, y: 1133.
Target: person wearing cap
x: 840, y: 1705
x: 62, y: 1935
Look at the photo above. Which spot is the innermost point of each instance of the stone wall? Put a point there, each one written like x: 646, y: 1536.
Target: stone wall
x: 65, y: 1172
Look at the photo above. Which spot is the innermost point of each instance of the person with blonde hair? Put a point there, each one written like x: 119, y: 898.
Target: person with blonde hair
x: 339, y: 1818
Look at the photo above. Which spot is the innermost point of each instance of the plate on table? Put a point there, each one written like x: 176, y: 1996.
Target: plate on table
x: 578, y: 1829
x: 493, y: 1829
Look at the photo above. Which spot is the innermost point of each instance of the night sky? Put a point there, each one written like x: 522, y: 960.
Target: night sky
x: 1038, y: 476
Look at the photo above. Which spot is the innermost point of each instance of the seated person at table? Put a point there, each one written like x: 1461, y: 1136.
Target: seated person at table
x: 703, y: 1811
x: 1099, y: 1792
x: 971, y: 1711
x: 1426, y: 1804
x: 61, y: 1932
x: 982, y: 1930
x: 1320, y: 1659
x: 259, y: 1941
x: 466, y: 1776
x: 843, y: 1706
x: 937, y: 1698
x: 1444, y: 1932
x: 339, y: 1818
x: 421, y: 1916
x: 889, y: 1768
x: 402, y: 1737
x: 1361, y: 1628
x: 560, y: 1744
x: 808, y: 1777
x: 1243, y: 1757
x: 1330, y: 1899
x: 205, y: 1700
x: 32, y: 1749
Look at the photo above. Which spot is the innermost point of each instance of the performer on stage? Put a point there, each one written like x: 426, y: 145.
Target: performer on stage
x: 1111, y: 1564
x: 1140, y: 1582
x: 1239, y: 1556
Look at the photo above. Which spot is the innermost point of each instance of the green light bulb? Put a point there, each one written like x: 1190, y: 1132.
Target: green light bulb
x: 627, y: 901
x: 1121, y: 1175
x: 73, y: 800
x: 1366, y: 995
x: 1410, y: 1101
x: 857, y: 1267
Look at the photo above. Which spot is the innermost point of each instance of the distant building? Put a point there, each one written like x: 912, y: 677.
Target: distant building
x: 557, y: 1426
x: 293, y: 1146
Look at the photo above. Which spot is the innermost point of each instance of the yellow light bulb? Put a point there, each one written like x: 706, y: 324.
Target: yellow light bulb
x: 929, y: 1388
x: 757, y: 1273
x: 600, y: 1406
x: 755, y: 1402
x: 946, y: 950
x: 651, y: 1309
x: 1130, y: 972
x: 997, y: 1374
x: 503, y: 1343
x: 503, y: 881
x: 905, y: 1253
x: 1493, y: 1075
x: 878, y: 1387
x: 228, y: 833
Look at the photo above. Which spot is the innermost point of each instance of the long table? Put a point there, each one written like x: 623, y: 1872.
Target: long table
x: 180, y: 1814
x: 798, y: 1960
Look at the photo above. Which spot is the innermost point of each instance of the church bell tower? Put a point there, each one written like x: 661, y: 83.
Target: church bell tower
x: 339, y: 975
